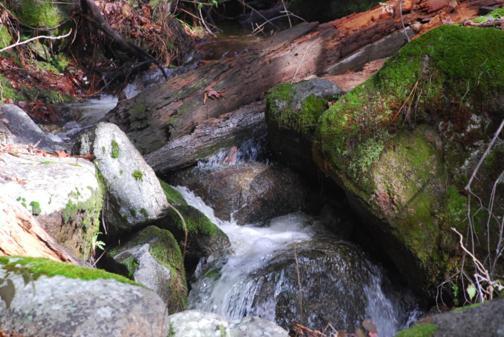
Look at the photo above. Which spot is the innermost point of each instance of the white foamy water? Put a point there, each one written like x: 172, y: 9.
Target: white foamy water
x: 230, y: 292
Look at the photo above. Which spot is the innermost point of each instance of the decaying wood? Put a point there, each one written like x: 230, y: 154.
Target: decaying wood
x: 177, y: 107
x: 225, y: 131
x: 22, y: 235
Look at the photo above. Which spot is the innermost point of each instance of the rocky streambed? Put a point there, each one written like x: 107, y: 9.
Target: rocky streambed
x: 308, y: 209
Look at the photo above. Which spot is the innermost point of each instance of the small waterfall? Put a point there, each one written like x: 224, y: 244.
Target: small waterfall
x: 230, y: 288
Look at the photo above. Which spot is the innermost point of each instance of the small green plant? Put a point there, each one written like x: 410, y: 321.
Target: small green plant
x: 35, y: 208
x: 96, y: 243
x: 115, y: 149
x: 22, y: 201
x: 137, y: 175
x: 143, y: 211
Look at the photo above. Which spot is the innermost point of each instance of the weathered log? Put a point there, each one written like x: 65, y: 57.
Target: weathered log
x: 22, y: 235
x: 177, y: 107
x: 215, y: 133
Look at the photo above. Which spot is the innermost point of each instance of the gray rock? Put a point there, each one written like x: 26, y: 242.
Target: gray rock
x: 64, y: 194
x: 34, y: 305
x: 193, y: 323
x: 482, y: 320
x: 135, y: 192
x: 153, y: 258
x: 257, y: 327
x: 17, y: 127
x: 249, y: 192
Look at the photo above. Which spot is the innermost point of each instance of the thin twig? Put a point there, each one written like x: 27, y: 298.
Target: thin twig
x: 39, y: 37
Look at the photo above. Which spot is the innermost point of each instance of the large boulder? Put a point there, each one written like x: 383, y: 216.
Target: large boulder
x: 292, y: 115
x: 134, y: 192
x: 41, y: 298
x: 322, y: 281
x: 475, y: 320
x: 249, y: 192
x: 404, y: 144
x: 64, y: 194
x: 152, y: 257
x: 193, y: 323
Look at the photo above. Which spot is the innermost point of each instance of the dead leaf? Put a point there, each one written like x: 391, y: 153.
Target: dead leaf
x: 212, y: 94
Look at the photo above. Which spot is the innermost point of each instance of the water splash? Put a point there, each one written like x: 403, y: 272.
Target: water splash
x: 248, y: 151
x: 228, y: 289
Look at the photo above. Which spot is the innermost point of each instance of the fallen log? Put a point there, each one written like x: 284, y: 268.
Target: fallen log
x: 228, y: 130
x: 177, y: 107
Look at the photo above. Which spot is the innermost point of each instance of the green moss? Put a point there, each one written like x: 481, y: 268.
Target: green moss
x: 47, y: 95
x: 114, y: 152
x: 86, y: 213
x: 35, y: 208
x: 456, y: 208
x: 5, y: 37
x: 419, y: 330
x: 39, y: 13
x: 144, y: 212
x: 7, y: 92
x: 165, y: 249
x: 285, y: 113
x: 466, y: 308
x: 137, y: 175
x: 495, y: 14
x: 172, y: 195
x: 33, y: 268
x: 197, y: 223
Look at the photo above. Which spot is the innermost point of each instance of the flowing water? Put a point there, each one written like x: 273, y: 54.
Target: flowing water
x: 232, y: 293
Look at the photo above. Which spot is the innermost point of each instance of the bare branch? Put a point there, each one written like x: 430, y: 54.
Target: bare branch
x: 39, y: 37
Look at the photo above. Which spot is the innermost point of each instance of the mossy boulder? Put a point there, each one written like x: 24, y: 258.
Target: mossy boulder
x: 153, y: 258
x: 64, y: 194
x: 41, y: 14
x: 404, y: 144
x: 204, y: 238
x: 481, y: 320
x: 292, y: 116
x: 134, y: 192
x: 43, y: 298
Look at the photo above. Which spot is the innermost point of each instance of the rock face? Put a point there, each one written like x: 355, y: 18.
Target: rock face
x: 249, y: 192
x: 135, y: 194
x: 153, y: 258
x: 292, y: 115
x: 17, y: 127
x: 64, y: 194
x: 194, y: 323
x: 479, y: 320
x: 404, y: 143
x: 40, y: 298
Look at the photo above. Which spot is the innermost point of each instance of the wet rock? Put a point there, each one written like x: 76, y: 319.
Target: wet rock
x: 404, y: 143
x: 194, y: 323
x: 16, y: 127
x: 135, y: 194
x: 40, y: 298
x: 204, y: 239
x: 248, y: 192
x: 292, y: 114
x: 152, y: 257
x: 322, y: 281
x: 475, y: 320
x: 64, y: 194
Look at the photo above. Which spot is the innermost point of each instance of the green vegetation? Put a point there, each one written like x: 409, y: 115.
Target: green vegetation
x: 197, y: 223
x: 495, y: 14
x: 32, y: 268
x: 172, y: 195
x: 5, y: 37
x: 165, y: 249
x: 137, y: 175
x: 7, y: 92
x: 35, y: 208
x: 39, y: 13
x: 419, y: 330
x: 114, y: 152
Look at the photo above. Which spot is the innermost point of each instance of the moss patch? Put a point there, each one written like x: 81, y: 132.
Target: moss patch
x: 197, y: 223
x: 32, y: 268
x: 137, y: 175
x: 114, y: 149
x: 172, y: 195
x: 39, y: 13
x: 7, y: 92
x: 165, y: 249
x: 419, y: 330
x: 5, y: 38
